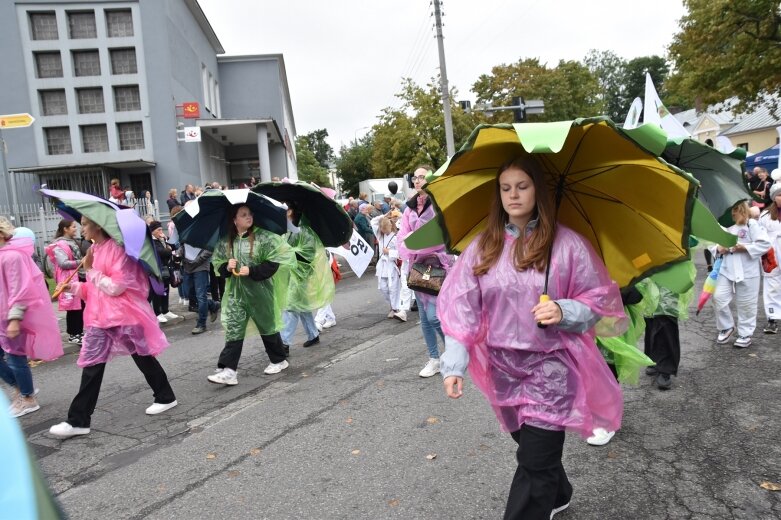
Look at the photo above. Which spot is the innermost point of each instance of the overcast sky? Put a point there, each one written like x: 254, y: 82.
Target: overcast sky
x: 345, y: 58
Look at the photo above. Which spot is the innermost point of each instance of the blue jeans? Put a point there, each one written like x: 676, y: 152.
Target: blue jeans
x: 201, y: 281
x: 16, y: 372
x: 291, y: 324
x: 429, y: 323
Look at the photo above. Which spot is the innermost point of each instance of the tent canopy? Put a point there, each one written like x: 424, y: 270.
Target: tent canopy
x: 765, y: 159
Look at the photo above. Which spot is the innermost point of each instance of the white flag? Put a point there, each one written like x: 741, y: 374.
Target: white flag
x: 358, y: 254
x: 633, y: 116
x: 654, y: 111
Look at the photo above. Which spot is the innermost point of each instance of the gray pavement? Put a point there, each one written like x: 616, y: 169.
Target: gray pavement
x: 351, y: 431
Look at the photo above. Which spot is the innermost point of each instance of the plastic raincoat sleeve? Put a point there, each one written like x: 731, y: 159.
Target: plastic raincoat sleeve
x: 311, y: 284
x: 115, y: 284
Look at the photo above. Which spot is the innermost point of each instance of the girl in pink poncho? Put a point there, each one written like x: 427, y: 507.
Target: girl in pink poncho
x: 65, y: 256
x: 28, y: 326
x: 539, y: 381
x: 118, y: 320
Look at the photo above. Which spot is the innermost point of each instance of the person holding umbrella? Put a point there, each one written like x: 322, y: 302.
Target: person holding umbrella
x: 255, y: 264
x: 536, y: 363
x: 118, y: 320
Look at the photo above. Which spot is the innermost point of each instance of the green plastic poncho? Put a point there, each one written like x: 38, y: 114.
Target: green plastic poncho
x: 311, y: 283
x: 251, y: 307
x: 672, y: 302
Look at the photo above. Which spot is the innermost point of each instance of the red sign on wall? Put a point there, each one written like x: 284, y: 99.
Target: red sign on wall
x: 191, y: 110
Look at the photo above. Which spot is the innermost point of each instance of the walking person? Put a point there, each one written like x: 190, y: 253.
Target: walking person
x: 28, y: 325
x: 539, y: 381
x: 65, y: 255
x: 771, y: 290
x: 196, y: 263
x: 255, y: 264
x: 739, y: 278
x: 419, y: 211
x: 164, y: 252
x: 387, y: 270
x: 118, y: 321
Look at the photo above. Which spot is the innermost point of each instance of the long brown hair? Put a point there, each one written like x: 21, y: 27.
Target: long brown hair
x: 233, y: 232
x: 527, y: 253
x: 62, y: 226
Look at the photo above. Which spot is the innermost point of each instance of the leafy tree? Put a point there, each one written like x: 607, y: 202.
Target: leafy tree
x: 316, y: 143
x: 634, y: 77
x: 729, y: 48
x: 355, y: 164
x: 309, y: 169
x: 609, y: 70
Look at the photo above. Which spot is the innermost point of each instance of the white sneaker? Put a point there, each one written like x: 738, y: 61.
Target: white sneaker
x: 66, y: 431
x: 391, y: 314
x: 157, y: 408
x: 401, y: 315
x: 161, y: 318
x: 329, y: 323
x: 171, y: 316
x: 226, y: 376
x: 276, y: 368
x: 431, y: 368
x: 724, y: 335
x: 319, y: 326
x: 600, y: 437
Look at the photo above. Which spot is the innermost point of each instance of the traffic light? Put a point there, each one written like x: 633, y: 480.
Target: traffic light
x: 519, y: 113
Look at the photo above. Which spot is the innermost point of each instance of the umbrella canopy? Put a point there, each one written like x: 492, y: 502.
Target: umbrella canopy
x: 326, y: 217
x: 720, y: 174
x: 205, y: 219
x: 634, y: 208
x: 120, y: 223
x: 767, y: 159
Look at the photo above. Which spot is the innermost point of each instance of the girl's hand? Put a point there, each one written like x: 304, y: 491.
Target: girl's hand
x: 232, y: 264
x: 244, y: 271
x: 454, y: 386
x: 547, y: 313
x: 13, y: 329
x: 722, y: 250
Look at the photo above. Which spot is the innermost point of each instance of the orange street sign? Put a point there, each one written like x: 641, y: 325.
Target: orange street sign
x: 16, y: 120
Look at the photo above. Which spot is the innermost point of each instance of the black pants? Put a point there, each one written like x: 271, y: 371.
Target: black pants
x: 229, y: 357
x: 540, y: 483
x: 216, y: 284
x: 83, y: 405
x: 159, y: 301
x: 74, y: 321
x: 663, y: 343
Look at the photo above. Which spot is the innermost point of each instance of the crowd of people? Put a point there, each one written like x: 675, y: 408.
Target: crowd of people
x: 539, y: 362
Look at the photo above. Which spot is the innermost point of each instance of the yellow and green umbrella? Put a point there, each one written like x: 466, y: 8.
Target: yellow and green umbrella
x: 610, y: 185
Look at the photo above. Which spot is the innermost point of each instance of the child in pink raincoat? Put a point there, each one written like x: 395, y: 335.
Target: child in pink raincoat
x: 65, y: 256
x: 28, y: 326
x: 118, y: 320
x: 539, y: 381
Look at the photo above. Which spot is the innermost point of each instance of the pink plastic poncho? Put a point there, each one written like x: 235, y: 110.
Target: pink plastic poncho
x: 65, y: 301
x: 411, y: 221
x: 115, y: 295
x: 21, y: 283
x: 546, y: 378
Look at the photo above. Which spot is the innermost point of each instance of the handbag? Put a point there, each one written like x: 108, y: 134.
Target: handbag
x: 769, y: 261
x: 426, y: 276
x: 174, y: 277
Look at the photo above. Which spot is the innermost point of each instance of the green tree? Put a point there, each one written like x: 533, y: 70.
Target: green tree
x: 316, y: 143
x: 634, y: 78
x: 729, y: 48
x: 354, y: 164
x: 309, y: 169
x: 609, y: 70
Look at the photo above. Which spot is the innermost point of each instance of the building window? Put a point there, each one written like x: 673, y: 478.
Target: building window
x: 90, y: 100
x: 82, y: 25
x: 131, y: 136
x: 58, y: 140
x: 43, y: 26
x: 53, y: 102
x: 86, y: 63
x: 744, y: 146
x: 205, y: 84
x: 123, y: 61
x: 127, y: 98
x: 94, y: 138
x: 48, y: 64
x: 119, y: 23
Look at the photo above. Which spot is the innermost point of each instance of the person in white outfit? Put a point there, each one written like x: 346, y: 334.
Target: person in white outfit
x: 771, y: 291
x: 325, y: 317
x: 739, y: 276
x: 387, y: 268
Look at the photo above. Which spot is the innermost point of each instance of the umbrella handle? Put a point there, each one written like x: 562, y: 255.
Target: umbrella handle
x: 60, y: 287
x: 543, y: 298
x: 236, y: 272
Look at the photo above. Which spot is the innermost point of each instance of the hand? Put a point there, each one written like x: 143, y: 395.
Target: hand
x: 232, y: 264
x: 88, y: 260
x: 63, y: 287
x: 244, y: 271
x: 385, y: 250
x: 547, y: 313
x: 722, y: 250
x: 454, y: 386
x: 13, y: 329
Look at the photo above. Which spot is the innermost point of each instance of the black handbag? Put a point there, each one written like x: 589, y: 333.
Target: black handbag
x: 426, y: 276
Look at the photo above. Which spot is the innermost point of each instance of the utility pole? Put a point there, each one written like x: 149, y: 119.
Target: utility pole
x: 451, y: 147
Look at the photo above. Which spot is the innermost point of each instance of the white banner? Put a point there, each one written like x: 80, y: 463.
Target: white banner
x: 654, y: 111
x: 358, y: 254
x: 633, y: 116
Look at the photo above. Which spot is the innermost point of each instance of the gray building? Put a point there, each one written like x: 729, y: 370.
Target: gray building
x: 109, y: 82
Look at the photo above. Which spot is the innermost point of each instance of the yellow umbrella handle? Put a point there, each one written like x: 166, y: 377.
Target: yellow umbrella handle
x: 543, y: 298
x: 56, y: 293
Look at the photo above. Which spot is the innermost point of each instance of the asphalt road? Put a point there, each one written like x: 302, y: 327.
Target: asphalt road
x: 351, y: 431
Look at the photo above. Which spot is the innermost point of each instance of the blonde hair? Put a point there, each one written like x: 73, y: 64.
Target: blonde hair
x: 6, y: 228
x: 740, y: 209
x: 386, y: 223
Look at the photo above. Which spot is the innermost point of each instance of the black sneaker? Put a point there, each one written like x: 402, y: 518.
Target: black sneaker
x: 771, y: 327
x: 663, y: 381
x: 414, y: 307
x: 651, y: 371
x: 311, y: 342
x: 199, y: 330
x: 75, y: 338
x: 214, y: 314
